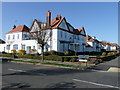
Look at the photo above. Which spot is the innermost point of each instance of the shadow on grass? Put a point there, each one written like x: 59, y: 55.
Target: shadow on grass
x: 6, y: 60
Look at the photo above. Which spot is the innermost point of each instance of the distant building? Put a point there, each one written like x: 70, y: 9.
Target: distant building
x: 92, y: 44
x: 2, y: 45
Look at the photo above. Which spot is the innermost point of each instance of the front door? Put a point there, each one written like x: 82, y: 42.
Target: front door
x: 28, y: 49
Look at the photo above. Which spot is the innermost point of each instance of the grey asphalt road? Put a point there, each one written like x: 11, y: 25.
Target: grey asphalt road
x: 17, y: 75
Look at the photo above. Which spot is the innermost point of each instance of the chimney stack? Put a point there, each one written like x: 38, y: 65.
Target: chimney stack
x: 14, y: 26
x: 48, y: 18
x: 58, y: 17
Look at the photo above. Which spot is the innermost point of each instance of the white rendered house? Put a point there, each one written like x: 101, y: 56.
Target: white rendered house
x: 113, y: 46
x: 19, y: 38
x: 105, y: 46
x: 64, y: 36
x: 92, y: 44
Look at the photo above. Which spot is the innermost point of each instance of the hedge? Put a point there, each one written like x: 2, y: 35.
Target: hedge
x: 59, y: 58
x: 52, y: 52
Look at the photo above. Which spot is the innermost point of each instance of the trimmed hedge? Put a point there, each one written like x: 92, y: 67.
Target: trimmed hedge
x: 60, y: 58
x: 52, y: 52
x: 69, y: 58
x: 53, y: 57
x: 8, y: 55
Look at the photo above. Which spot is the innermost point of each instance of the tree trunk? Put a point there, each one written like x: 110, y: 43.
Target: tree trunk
x: 42, y: 54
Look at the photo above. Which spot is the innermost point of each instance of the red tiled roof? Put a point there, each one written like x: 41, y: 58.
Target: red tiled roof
x: 21, y: 28
x: 104, y: 43
x: 80, y: 29
x: 112, y: 44
x: 56, y: 22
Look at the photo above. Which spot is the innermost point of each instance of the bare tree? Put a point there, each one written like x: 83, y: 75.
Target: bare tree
x: 42, y: 35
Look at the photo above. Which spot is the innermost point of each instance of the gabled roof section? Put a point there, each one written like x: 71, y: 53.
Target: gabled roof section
x: 89, y: 38
x: 87, y: 45
x: 38, y: 22
x: 82, y: 29
x: 105, y: 43
x: 21, y: 28
x: 75, y: 31
x: 113, y: 44
x: 56, y: 22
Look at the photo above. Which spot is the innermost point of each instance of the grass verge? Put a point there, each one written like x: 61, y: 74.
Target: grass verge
x: 49, y: 63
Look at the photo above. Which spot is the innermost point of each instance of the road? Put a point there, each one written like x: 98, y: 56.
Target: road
x: 16, y: 75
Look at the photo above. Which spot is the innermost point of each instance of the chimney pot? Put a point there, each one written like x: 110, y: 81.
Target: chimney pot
x: 14, y: 26
x: 48, y: 18
x: 58, y: 17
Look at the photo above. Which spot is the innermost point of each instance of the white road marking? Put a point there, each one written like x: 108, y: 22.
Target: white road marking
x: 99, y: 70
x: 25, y: 71
x: 16, y: 70
x: 105, y: 71
x: 96, y: 83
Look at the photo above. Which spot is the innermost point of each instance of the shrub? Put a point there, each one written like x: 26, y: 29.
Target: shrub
x: 60, y: 53
x: 110, y: 54
x: 69, y: 52
x: 66, y: 53
x: 37, y: 54
x: 52, y: 52
x: 7, y: 55
x: 74, y: 59
x: 66, y: 58
x: 13, y: 51
x: 95, y: 60
x: 21, y: 51
x: 53, y: 57
x: 47, y: 53
x: 3, y: 52
x: 104, y: 54
x: 30, y: 54
x: 33, y: 51
x: 69, y: 58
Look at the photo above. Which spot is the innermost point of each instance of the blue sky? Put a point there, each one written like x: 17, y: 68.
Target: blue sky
x: 100, y: 19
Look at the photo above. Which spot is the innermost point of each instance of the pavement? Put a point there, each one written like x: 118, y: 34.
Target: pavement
x: 111, y: 66
x: 21, y: 75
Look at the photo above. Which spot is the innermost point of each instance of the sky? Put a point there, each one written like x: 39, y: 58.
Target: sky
x: 100, y: 19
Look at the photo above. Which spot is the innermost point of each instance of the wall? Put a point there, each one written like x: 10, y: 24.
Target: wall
x: 54, y: 41
x: 11, y: 40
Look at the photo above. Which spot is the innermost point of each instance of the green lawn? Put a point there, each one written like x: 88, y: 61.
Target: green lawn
x: 49, y: 63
